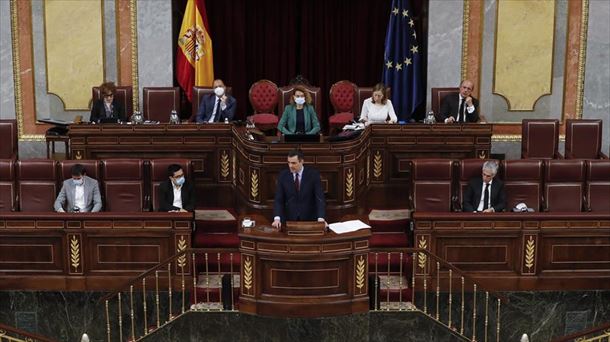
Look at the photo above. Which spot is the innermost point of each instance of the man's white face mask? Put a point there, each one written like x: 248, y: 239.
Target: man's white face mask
x: 219, y: 91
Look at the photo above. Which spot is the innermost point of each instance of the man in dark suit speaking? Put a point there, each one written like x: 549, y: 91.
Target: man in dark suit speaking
x: 218, y: 106
x: 485, y: 194
x: 460, y: 107
x: 299, y: 195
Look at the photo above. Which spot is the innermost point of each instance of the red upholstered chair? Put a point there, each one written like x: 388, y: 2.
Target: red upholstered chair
x: 523, y: 182
x: 598, y: 186
x: 432, y: 181
x: 198, y: 93
x: 9, y: 146
x: 158, y: 174
x: 316, y: 98
x: 37, y: 184
x: 159, y: 102
x: 540, y: 139
x: 7, y: 185
x: 584, y: 139
x: 343, y: 98
x: 124, y: 94
x: 468, y: 168
x: 123, y: 183
x: 363, y: 93
x: 563, y: 185
x: 264, y: 98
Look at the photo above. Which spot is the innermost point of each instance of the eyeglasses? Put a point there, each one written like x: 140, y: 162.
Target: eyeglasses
x: 109, y: 95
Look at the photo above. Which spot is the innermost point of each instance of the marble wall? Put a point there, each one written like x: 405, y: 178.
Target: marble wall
x: 155, y: 48
x: 7, y: 91
x: 596, y: 102
x: 444, y: 45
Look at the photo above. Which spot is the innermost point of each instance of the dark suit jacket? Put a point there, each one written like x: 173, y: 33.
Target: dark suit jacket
x: 450, y: 107
x: 166, y: 196
x: 208, y: 101
x: 306, y: 205
x: 472, y: 195
x: 98, y: 111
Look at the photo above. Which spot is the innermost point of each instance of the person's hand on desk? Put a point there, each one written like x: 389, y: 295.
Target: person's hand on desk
x: 450, y: 119
x: 489, y: 210
x: 320, y: 219
x: 277, y: 224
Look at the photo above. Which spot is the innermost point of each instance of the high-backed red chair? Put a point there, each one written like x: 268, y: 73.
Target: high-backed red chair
x: 123, y: 93
x: 523, y: 182
x: 563, y: 185
x: 158, y: 174
x: 198, y: 93
x: 263, y: 97
x: 37, y: 184
x: 159, y: 102
x: 584, y: 139
x: 363, y: 93
x: 467, y: 169
x: 598, y: 186
x: 9, y: 146
x: 432, y: 184
x: 343, y: 98
x: 7, y: 185
x: 540, y: 139
x: 316, y: 98
x: 123, y: 183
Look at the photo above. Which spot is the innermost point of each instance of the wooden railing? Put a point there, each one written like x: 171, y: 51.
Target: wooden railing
x: 600, y: 333
x: 12, y: 334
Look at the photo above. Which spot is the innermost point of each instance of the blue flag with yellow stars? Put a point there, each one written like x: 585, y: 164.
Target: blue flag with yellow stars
x: 402, y: 58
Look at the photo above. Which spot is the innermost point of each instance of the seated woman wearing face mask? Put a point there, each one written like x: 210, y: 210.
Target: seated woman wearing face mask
x: 218, y: 106
x: 378, y: 108
x: 299, y: 116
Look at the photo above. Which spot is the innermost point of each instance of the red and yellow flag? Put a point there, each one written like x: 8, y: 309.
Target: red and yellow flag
x: 194, y: 59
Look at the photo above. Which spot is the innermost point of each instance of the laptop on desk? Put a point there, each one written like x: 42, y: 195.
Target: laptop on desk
x: 301, y: 138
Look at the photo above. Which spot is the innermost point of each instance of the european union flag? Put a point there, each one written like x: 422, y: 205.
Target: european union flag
x: 402, y: 58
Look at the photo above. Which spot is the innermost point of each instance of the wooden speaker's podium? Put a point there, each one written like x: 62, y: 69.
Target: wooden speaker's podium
x: 303, y: 271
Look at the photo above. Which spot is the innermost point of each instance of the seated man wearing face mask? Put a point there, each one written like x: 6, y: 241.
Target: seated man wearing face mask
x: 176, y: 193
x: 80, y: 193
x: 218, y: 106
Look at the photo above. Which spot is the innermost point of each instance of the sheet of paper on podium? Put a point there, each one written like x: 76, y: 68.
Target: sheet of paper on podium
x: 348, y: 226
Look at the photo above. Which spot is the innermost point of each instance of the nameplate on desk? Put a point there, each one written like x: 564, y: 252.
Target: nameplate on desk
x: 305, y: 228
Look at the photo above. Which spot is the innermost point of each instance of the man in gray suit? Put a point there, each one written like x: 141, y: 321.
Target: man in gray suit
x: 79, y: 193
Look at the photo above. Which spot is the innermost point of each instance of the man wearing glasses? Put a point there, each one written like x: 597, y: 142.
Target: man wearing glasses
x: 108, y: 108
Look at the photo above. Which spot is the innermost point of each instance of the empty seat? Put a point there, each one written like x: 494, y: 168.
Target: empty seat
x: 158, y: 174
x: 598, y: 185
x: 9, y: 146
x: 7, y: 185
x: 432, y: 184
x: 584, y: 139
x: 344, y: 101
x: 263, y: 97
x: 159, y: 102
x: 123, y: 184
x: 37, y: 184
x: 563, y: 185
x: 540, y: 139
x: 523, y: 182
x: 468, y: 168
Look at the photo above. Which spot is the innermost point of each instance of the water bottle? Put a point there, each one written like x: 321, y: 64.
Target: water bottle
x: 430, y: 119
x: 226, y: 120
x: 137, y: 118
x: 174, y: 118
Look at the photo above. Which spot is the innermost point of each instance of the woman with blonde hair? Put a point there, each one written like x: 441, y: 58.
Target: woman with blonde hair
x: 378, y: 108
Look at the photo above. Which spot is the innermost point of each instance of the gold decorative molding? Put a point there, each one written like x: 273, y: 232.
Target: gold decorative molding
x: 74, y: 253
x: 133, y: 5
x: 530, y: 253
x: 377, y: 165
x: 349, y: 184
x: 360, y: 272
x: 465, y: 31
x: 224, y: 164
x: 582, y: 57
x: 254, y: 185
x: 180, y: 247
x: 422, y: 257
x: 248, y: 275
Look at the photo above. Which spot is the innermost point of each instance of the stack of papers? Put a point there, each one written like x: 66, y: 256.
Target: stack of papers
x: 347, y: 226
x: 354, y: 126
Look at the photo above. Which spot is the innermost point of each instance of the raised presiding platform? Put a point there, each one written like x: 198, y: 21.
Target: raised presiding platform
x: 303, y: 275
x: 87, y: 251
x: 521, y: 251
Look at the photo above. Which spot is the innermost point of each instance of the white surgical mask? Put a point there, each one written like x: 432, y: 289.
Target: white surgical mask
x: 299, y: 100
x: 219, y: 91
x: 180, y: 181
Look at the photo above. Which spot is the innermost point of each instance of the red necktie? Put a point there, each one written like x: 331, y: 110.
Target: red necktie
x: 297, y: 184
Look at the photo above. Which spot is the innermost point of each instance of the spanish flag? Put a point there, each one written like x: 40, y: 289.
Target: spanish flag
x: 194, y: 59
